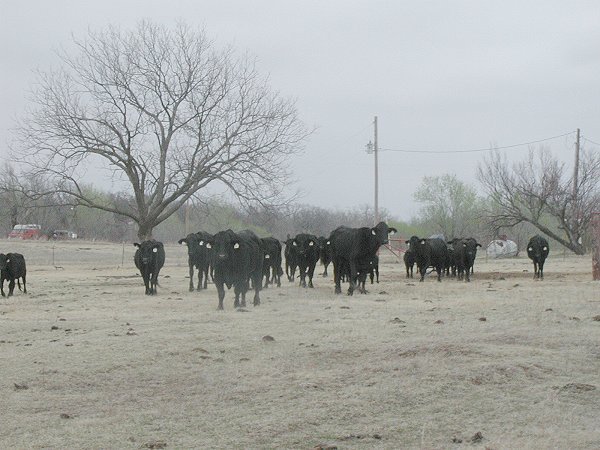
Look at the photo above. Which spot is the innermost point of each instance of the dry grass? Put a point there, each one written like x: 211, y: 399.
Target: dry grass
x: 89, y: 361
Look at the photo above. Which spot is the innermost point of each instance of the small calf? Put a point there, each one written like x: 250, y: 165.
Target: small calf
x: 12, y: 267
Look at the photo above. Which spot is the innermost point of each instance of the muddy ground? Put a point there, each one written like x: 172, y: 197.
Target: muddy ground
x: 88, y: 361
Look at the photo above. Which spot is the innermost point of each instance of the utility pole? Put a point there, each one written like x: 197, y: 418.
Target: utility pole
x: 576, y: 217
x: 375, y: 151
x: 373, y: 148
x: 576, y: 170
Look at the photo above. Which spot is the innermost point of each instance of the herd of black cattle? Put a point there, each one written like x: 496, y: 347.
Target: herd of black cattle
x: 244, y: 261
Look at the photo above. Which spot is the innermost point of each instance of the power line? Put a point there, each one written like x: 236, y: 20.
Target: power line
x: 589, y: 140
x: 478, y: 149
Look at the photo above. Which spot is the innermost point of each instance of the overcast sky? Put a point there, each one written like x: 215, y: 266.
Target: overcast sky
x: 440, y: 75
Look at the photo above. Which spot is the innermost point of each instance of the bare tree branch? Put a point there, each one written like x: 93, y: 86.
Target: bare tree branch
x: 167, y: 113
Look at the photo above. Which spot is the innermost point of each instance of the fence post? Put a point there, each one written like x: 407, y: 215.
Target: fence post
x: 596, y: 246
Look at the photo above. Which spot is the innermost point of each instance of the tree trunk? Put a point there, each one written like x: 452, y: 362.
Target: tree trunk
x: 145, y: 231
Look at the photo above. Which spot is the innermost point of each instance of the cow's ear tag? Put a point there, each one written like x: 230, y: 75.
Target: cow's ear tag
x: 8, y: 260
x: 373, y: 232
x: 236, y: 246
x: 267, y: 256
x: 328, y: 242
x: 154, y: 250
x: 311, y: 243
x: 530, y: 249
x: 423, y: 242
x: 294, y: 243
x: 545, y: 248
x: 464, y: 245
x: 201, y: 243
x: 208, y: 245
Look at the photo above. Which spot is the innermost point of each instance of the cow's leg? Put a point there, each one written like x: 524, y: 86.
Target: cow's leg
x: 221, y: 294
x: 236, y: 290
x: 147, y: 284
x: 311, y: 272
x: 154, y: 283
x: 191, y: 270
x: 24, y: 286
x: 256, y: 301
x: 422, y: 270
x: 535, y: 270
x: 336, y: 276
x: 11, y: 287
x: 200, y: 278
x: 541, y: 269
x: 205, y: 270
x: 302, y: 269
x: 2, y: 287
x: 352, y: 277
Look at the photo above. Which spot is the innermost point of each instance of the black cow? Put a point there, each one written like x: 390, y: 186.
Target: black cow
x: 149, y: 259
x: 349, y: 245
x: 409, y: 262
x: 538, y: 250
x: 238, y: 258
x: 325, y: 254
x: 272, y: 270
x: 199, y: 256
x: 291, y: 259
x: 429, y: 252
x: 464, y: 252
x: 307, y: 251
x: 12, y: 267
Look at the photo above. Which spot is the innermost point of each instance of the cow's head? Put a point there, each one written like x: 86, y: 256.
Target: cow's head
x: 225, y: 245
x: 415, y: 242
x: 305, y: 243
x: 382, y: 232
x: 196, y: 242
x: 147, y: 250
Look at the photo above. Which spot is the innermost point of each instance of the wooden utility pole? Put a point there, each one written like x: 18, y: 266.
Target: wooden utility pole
x: 375, y: 149
x: 576, y: 213
x: 576, y: 170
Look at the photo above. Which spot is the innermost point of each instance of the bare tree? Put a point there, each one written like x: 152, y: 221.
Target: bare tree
x: 166, y: 114
x: 538, y: 191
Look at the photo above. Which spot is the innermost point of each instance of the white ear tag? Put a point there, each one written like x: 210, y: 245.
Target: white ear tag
x: 373, y: 232
x: 236, y: 246
x: 294, y: 243
x: 201, y: 243
x: 530, y: 249
x: 208, y: 245
x: 311, y: 243
x: 328, y: 242
x: 267, y: 256
x: 545, y: 248
x: 8, y: 260
x: 154, y: 250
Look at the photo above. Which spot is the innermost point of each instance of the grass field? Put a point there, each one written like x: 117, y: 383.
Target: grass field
x: 503, y: 362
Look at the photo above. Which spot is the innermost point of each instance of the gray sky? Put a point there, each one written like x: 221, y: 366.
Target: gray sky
x: 439, y: 75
